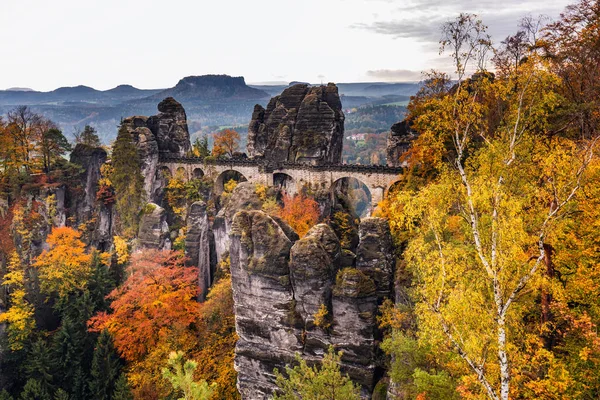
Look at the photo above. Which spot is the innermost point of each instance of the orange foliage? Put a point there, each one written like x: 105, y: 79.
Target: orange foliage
x: 153, y: 313
x: 227, y: 142
x: 217, y: 337
x: 300, y: 212
x: 6, y: 243
x: 157, y: 299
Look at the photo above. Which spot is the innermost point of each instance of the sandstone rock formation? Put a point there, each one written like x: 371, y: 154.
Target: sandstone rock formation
x: 354, y: 306
x: 197, y: 246
x: 302, y: 124
x: 170, y: 129
x: 264, y: 302
x: 90, y: 159
x: 398, y: 142
x: 243, y: 197
x: 153, y: 231
x: 375, y: 254
x: 166, y: 135
x: 279, y: 285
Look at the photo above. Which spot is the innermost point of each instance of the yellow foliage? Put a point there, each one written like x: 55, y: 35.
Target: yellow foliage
x: 122, y: 250
x: 65, y: 267
x: 19, y: 316
x: 230, y: 185
x: 322, y: 318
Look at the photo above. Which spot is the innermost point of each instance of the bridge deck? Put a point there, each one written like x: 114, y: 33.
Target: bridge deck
x: 368, y: 169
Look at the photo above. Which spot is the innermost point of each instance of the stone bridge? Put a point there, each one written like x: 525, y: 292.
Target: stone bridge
x: 292, y: 176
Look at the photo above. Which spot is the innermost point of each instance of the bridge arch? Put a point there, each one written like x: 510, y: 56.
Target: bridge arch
x: 285, y: 182
x: 225, y: 176
x: 393, y: 188
x: 356, y: 193
x: 164, y: 172
x: 197, y: 173
x: 182, y: 173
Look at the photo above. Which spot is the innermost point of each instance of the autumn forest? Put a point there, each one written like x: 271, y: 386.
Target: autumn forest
x: 476, y: 277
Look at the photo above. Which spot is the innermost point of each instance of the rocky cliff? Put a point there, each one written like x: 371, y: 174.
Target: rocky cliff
x: 165, y: 134
x: 281, y: 284
x: 398, y: 142
x: 302, y: 124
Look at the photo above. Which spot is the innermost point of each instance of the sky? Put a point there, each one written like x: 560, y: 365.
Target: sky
x: 154, y: 43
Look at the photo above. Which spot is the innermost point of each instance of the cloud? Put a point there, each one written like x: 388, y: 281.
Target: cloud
x: 395, y: 74
x: 421, y: 20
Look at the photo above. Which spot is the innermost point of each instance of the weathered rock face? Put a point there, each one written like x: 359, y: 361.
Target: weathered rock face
x: 153, y: 232
x: 302, y: 124
x: 147, y: 148
x: 264, y: 302
x: 375, y: 254
x: 197, y: 246
x: 279, y: 285
x: 313, y: 265
x: 354, y: 310
x: 166, y: 135
x: 170, y: 129
x: 91, y: 159
x: 243, y: 197
x: 398, y: 142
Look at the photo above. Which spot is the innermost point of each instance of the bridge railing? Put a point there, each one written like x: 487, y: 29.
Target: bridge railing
x: 273, y: 167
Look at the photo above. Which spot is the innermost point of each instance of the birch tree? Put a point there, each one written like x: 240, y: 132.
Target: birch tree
x: 479, y: 232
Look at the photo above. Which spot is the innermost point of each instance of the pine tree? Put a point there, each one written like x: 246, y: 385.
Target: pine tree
x: 38, y: 369
x: 106, y: 367
x: 61, y: 395
x: 122, y: 390
x: 67, y: 349
x: 4, y: 395
x: 128, y: 182
x: 101, y: 283
x: 326, y: 382
x: 35, y: 390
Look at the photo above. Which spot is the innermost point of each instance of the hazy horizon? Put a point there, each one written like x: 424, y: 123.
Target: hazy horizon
x: 150, y: 45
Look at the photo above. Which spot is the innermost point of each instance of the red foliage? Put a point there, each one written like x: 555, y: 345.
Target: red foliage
x: 6, y: 243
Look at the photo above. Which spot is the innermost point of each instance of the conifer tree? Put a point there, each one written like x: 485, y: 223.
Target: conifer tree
x: 122, y: 389
x: 35, y: 390
x: 128, y: 182
x: 106, y: 367
x: 67, y: 350
x: 306, y: 382
x: 38, y: 369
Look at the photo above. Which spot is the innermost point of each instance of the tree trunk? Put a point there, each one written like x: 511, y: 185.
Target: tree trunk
x: 503, y: 360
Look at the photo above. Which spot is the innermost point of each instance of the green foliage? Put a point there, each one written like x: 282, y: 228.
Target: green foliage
x: 39, y: 368
x: 35, y: 390
x: 411, y: 369
x: 200, y: 147
x: 122, y: 389
x: 61, y: 395
x: 88, y: 137
x: 106, y: 368
x: 180, y: 373
x: 128, y: 183
x: 52, y: 146
x: 4, y: 395
x: 326, y: 382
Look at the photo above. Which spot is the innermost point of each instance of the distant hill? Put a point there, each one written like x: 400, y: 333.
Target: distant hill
x: 73, y: 94
x: 209, y: 101
x: 209, y: 88
x: 20, y: 89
